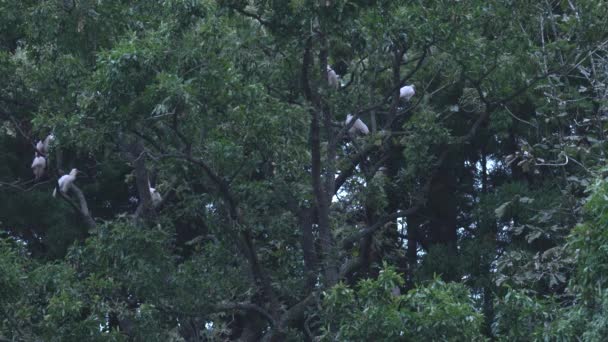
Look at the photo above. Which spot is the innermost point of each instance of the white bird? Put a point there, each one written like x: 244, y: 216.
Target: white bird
x: 156, y: 197
x: 358, y: 126
x: 332, y: 78
x: 43, y: 146
x: 407, y: 92
x: 40, y: 147
x: 38, y: 165
x: 65, y: 182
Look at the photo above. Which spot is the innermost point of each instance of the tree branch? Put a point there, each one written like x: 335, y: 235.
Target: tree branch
x: 82, y: 208
x: 348, y: 241
x: 246, y: 307
x: 246, y: 243
x: 348, y: 171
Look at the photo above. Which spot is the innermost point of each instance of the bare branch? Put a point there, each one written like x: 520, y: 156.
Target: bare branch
x: 82, y: 208
x: 252, y: 15
x: 347, y: 242
x: 350, y: 169
x: 246, y: 307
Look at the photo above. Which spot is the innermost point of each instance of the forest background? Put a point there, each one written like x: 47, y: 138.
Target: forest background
x: 474, y: 211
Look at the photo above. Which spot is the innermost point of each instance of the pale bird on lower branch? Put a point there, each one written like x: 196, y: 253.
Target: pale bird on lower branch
x: 65, y: 182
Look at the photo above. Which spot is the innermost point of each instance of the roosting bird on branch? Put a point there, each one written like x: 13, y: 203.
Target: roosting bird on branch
x: 332, y: 78
x: 65, y: 182
x: 156, y: 197
x: 38, y: 165
x: 407, y: 92
x: 357, y: 127
x: 43, y: 146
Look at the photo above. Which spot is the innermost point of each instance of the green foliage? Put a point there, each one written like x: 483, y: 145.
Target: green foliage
x: 47, y: 301
x: 524, y: 317
x: 580, y: 312
x: 437, y: 311
x: 423, y: 137
x: 475, y: 190
x: 588, y: 242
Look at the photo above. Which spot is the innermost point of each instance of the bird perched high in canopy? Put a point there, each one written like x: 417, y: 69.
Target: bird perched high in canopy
x: 332, y: 78
x: 357, y: 127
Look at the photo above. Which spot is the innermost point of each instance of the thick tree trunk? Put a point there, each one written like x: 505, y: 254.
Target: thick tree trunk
x: 308, y: 248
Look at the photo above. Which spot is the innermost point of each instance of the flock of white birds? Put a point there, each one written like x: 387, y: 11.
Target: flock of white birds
x: 65, y: 182
x: 40, y: 163
x: 359, y: 127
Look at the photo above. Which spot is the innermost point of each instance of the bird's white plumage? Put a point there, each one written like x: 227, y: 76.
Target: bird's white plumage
x: 38, y: 165
x: 407, y: 92
x: 332, y: 78
x: 357, y: 127
x: 43, y: 146
x: 47, y: 142
x: 156, y: 197
x: 65, y: 182
x: 40, y: 147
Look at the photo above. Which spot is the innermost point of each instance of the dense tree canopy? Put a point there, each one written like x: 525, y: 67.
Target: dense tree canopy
x: 222, y: 193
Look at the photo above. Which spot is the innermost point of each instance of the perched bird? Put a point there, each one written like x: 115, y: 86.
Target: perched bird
x: 40, y: 147
x: 65, y: 182
x: 38, y: 165
x: 407, y: 92
x: 43, y: 146
x: 332, y: 78
x: 156, y: 197
x: 357, y: 127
